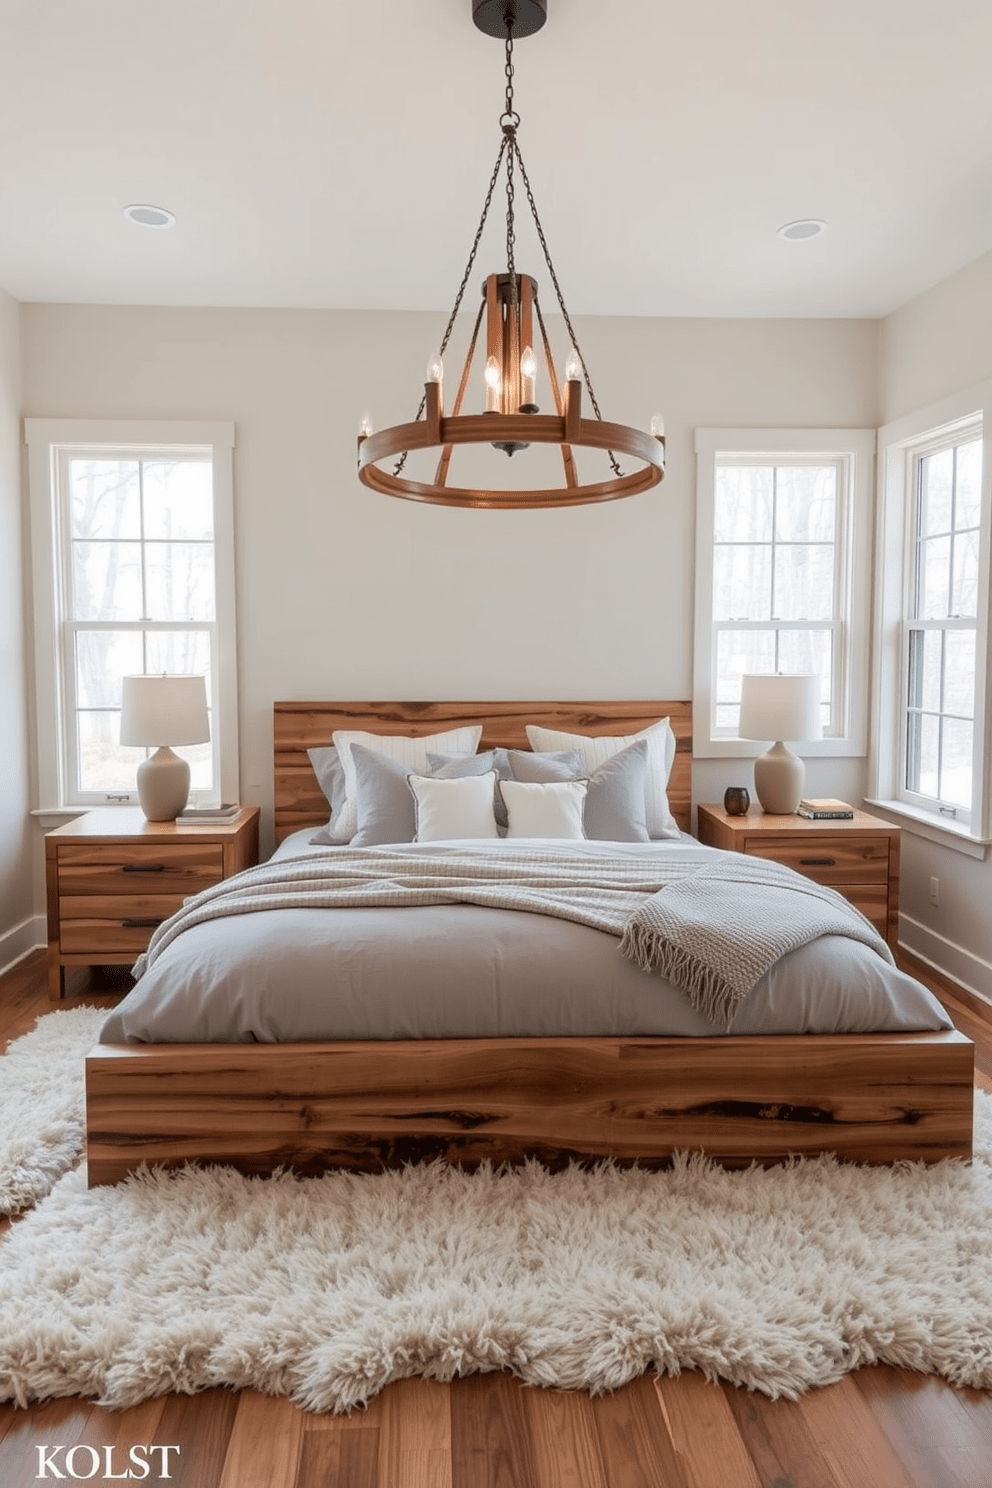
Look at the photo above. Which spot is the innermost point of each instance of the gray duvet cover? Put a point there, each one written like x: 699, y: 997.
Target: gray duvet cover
x: 463, y: 971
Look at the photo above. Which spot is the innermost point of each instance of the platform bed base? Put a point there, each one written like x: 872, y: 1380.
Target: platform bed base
x: 368, y: 1106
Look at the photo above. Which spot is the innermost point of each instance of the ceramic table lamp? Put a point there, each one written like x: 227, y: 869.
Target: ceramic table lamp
x: 156, y: 712
x: 780, y: 706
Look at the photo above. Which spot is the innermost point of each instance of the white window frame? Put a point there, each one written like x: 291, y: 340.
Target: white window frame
x: 853, y: 451
x: 901, y: 445
x: 48, y: 442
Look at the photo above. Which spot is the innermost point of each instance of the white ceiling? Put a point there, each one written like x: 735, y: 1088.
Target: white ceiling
x: 336, y: 152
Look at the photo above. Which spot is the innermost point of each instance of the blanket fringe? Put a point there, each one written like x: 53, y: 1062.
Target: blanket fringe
x: 712, y: 996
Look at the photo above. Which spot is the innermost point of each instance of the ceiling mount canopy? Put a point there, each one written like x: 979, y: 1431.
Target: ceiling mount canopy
x: 516, y: 343
x: 525, y: 16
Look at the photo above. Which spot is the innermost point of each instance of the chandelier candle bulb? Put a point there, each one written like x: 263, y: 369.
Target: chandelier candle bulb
x: 658, y: 426
x: 494, y: 387
x: 573, y: 369
x: 435, y: 369
x: 432, y: 410
x: 528, y: 381
x: 365, y: 426
x: 573, y: 410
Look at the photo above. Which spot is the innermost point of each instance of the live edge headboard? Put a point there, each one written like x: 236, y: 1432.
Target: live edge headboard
x: 298, y: 727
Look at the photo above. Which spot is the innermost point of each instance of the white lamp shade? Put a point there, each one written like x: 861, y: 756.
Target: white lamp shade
x: 164, y: 709
x: 780, y: 706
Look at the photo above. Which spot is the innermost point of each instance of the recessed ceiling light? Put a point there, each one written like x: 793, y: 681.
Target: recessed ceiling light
x: 806, y: 227
x: 144, y: 216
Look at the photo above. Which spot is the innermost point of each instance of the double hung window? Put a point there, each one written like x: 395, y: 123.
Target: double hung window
x: 133, y: 570
x: 781, y: 575
x: 932, y: 639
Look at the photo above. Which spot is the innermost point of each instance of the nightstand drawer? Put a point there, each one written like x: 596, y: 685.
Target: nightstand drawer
x: 120, y: 922
x: 873, y: 902
x: 838, y: 862
x: 176, y: 869
x: 127, y: 925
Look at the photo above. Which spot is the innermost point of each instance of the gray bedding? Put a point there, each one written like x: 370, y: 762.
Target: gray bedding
x: 464, y: 971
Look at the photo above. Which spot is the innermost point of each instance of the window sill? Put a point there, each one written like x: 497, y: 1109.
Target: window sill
x: 958, y: 838
x: 70, y: 811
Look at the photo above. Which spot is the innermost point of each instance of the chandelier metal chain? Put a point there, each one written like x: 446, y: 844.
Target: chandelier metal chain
x: 561, y: 299
x: 504, y: 145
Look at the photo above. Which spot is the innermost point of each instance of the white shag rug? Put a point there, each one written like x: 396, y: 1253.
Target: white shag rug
x: 42, y: 1104
x: 327, y: 1289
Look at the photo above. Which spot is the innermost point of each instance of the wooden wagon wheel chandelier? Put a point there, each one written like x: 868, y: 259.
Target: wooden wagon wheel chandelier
x: 512, y: 419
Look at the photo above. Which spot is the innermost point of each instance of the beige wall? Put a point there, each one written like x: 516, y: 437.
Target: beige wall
x: 342, y: 592
x: 17, y: 930
x: 936, y: 345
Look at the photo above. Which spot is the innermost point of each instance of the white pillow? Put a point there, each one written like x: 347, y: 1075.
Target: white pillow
x: 454, y: 808
x: 550, y: 810
x: 596, y: 749
x: 399, y: 747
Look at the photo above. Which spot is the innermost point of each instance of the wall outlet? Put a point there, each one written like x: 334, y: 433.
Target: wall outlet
x: 935, y: 891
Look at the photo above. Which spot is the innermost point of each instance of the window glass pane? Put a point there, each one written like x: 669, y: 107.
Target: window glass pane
x: 936, y: 487
x: 103, y: 764
x: 742, y: 582
x: 964, y: 585
x: 804, y: 582
x: 104, y: 498
x: 923, y: 753
x: 809, y: 651
x: 933, y: 578
x: 180, y: 581
x: 178, y: 500
x: 200, y: 758
x: 743, y: 503
x: 968, y: 486
x: 103, y: 657
x: 924, y: 669
x: 184, y: 651
x: 737, y: 652
x: 806, y: 503
x: 959, y: 673
x: 106, y: 581
x: 955, y: 762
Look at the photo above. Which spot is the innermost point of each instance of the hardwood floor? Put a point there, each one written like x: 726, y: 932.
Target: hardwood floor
x: 878, y: 1428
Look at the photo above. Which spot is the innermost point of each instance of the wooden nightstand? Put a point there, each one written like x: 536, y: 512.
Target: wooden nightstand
x: 112, y: 877
x: 859, y: 858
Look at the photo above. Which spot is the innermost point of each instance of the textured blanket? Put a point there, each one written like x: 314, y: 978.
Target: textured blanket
x: 712, y: 924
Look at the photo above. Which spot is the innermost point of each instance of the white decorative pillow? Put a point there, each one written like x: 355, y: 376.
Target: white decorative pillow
x: 550, y: 810
x: 454, y: 808
x: 398, y: 747
x: 596, y: 749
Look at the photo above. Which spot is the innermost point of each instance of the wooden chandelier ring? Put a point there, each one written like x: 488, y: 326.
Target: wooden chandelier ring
x: 517, y: 428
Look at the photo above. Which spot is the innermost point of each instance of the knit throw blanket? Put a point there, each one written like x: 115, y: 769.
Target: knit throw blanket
x: 712, y: 924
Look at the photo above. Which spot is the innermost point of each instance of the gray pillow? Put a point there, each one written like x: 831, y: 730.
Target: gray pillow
x: 615, y: 801
x: 385, y: 803
x: 521, y: 764
x: 329, y: 771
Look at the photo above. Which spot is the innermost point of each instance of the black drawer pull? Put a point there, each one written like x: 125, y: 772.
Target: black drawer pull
x: 141, y: 924
x: 143, y: 868
x: 818, y: 862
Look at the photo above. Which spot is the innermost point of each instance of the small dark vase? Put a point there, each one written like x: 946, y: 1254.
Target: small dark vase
x: 736, y: 800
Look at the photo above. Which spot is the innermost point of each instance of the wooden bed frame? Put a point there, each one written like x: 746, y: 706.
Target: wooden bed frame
x: 366, y: 1105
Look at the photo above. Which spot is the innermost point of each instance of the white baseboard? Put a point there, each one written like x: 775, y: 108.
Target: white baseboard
x: 973, y: 972
x: 20, y: 941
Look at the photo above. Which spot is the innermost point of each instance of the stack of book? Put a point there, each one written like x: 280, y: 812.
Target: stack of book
x: 825, y: 808
x: 223, y: 813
